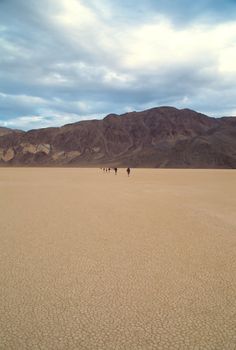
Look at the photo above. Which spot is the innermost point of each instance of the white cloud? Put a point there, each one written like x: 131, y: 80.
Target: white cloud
x: 146, y: 46
x: 152, y: 46
x: 74, y: 14
x: 78, y: 57
x: 22, y: 99
x: 136, y: 45
x: 49, y: 119
x: 22, y: 122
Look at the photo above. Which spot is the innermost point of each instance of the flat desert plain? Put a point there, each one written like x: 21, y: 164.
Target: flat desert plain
x: 90, y: 260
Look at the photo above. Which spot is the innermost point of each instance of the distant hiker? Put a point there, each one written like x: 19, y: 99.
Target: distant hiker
x: 128, y: 171
x: 109, y: 169
x: 115, y: 171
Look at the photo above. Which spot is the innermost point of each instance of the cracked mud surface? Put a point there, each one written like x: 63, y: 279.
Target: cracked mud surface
x: 96, y: 261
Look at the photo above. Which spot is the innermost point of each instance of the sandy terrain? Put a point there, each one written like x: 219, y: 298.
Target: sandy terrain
x: 96, y: 261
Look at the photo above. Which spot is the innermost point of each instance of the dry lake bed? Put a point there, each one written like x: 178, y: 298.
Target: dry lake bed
x: 91, y: 260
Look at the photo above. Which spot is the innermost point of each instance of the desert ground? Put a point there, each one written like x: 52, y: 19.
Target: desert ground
x: 90, y: 260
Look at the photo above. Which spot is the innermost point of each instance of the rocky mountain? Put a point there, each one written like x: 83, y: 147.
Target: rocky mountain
x: 158, y: 137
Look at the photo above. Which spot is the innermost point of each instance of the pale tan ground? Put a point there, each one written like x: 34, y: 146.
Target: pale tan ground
x: 97, y: 261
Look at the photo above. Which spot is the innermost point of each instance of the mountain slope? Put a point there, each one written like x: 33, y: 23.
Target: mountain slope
x: 158, y: 137
x: 6, y: 131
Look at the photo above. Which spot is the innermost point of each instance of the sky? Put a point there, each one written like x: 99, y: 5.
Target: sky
x: 63, y: 61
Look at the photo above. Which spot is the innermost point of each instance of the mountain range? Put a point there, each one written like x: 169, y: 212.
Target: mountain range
x: 164, y: 137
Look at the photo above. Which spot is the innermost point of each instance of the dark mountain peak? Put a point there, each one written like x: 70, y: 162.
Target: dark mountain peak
x: 111, y: 118
x: 158, y: 137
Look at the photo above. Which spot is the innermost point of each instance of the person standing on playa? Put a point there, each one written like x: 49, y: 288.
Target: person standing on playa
x: 115, y: 171
x: 128, y: 171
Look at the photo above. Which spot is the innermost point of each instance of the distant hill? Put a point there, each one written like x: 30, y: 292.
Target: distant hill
x: 5, y: 131
x: 159, y: 137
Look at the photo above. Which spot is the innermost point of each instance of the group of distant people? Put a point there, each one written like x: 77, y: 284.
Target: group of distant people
x: 115, y: 169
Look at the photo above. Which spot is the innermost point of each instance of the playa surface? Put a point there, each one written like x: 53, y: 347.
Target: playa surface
x: 90, y: 260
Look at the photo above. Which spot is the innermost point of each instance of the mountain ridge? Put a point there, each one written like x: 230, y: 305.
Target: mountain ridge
x: 157, y: 137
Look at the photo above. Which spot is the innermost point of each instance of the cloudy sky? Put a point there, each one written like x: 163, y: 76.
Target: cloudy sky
x: 66, y: 60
